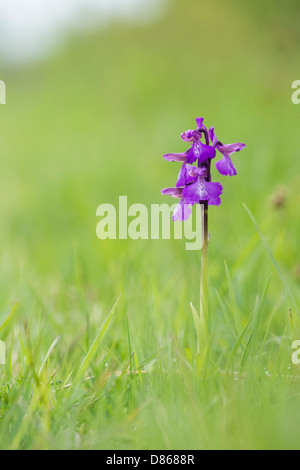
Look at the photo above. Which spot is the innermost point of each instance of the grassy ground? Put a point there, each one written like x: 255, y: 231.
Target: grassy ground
x: 91, y: 123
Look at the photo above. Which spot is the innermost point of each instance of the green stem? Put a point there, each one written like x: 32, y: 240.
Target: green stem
x: 204, y: 277
x: 204, y: 305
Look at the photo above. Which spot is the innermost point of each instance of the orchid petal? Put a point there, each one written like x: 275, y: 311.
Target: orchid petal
x: 176, y: 157
x: 184, y: 176
x: 174, y: 192
x: 182, y: 212
x: 226, y: 167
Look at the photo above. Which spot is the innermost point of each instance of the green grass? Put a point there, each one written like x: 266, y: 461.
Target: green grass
x: 100, y: 336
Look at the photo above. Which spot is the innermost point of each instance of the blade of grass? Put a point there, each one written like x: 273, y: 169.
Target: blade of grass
x: 275, y: 263
x: 137, y: 366
x: 197, y: 325
x: 129, y: 346
x: 234, y: 306
x: 94, y: 348
x: 256, y: 320
x: 239, y: 341
x: 154, y: 354
x: 273, y: 313
x: 48, y: 354
x: 10, y: 316
x: 226, y: 316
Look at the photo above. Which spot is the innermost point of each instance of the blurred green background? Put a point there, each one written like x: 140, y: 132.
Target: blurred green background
x: 91, y: 122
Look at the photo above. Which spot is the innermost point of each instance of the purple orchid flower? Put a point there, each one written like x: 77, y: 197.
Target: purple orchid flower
x: 183, y: 210
x: 194, y: 185
x: 225, y: 166
x: 199, y: 151
x: 203, y: 191
x: 185, y: 176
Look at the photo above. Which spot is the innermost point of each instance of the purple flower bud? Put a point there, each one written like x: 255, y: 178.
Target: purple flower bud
x: 190, y: 136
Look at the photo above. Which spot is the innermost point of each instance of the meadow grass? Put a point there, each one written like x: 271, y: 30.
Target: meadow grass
x: 102, y: 344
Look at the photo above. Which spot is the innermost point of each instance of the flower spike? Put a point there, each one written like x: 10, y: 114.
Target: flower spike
x: 194, y: 185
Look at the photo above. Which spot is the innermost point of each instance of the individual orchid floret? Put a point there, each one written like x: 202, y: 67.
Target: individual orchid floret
x: 197, y: 172
x: 191, y: 136
x: 199, y: 151
x: 185, y: 176
x: 183, y: 210
x: 225, y: 166
x: 201, y: 191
